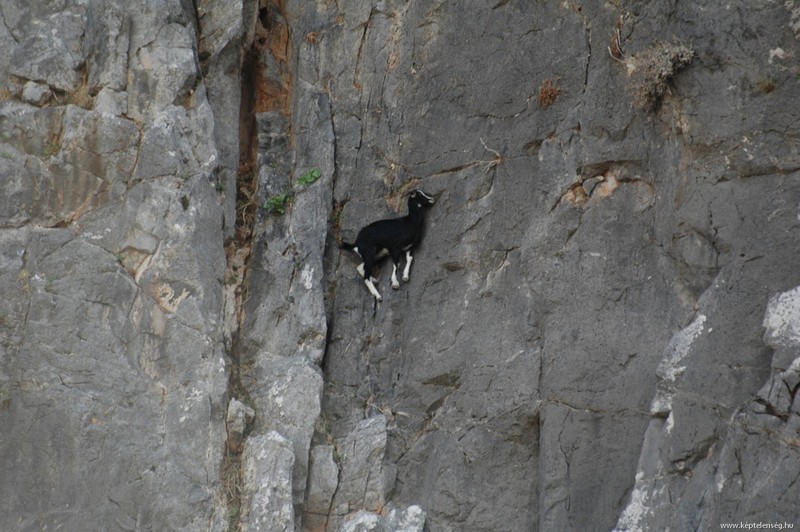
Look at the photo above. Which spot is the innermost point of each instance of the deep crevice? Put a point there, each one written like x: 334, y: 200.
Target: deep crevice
x: 238, y: 253
x: 260, y: 93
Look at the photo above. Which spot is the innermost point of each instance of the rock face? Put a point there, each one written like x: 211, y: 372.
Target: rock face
x: 600, y: 331
x: 112, y: 369
x: 268, y: 461
x: 757, y: 443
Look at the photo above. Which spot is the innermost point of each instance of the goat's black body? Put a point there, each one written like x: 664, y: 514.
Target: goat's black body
x: 391, y: 237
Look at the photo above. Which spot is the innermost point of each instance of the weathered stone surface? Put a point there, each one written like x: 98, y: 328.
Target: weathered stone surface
x: 290, y: 318
x: 106, y: 389
x: 237, y: 419
x: 361, y: 521
x: 267, y: 462
x: 323, y: 479
x: 364, y: 481
x: 222, y: 25
x: 615, y: 229
x: 412, y: 519
x: 105, y: 45
x: 284, y: 330
x: 177, y: 143
x: 556, y: 299
x: 163, y: 72
x: 35, y: 93
x: 111, y: 102
x: 48, y: 43
x: 221, y: 51
x: 763, y: 442
x: 112, y: 363
x: 17, y: 196
x: 76, y: 160
x: 711, y: 465
x: 287, y: 400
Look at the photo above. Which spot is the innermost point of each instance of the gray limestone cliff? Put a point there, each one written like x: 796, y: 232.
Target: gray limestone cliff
x: 601, y: 330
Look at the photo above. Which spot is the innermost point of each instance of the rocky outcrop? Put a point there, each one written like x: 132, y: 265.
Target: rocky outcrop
x: 713, y: 472
x: 600, y: 329
x: 113, y: 370
x: 592, y: 201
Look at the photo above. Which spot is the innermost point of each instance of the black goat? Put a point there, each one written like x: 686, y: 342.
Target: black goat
x: 390, y: 237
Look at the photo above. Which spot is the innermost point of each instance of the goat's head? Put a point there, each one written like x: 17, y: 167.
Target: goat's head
x: 419, y: 199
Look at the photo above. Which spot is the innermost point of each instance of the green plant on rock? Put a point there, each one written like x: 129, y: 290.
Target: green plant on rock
x: 277, y: 203
x: 50, y: 149
x: 5, y: 399
x: 309, y: 177
x: 233, y: 518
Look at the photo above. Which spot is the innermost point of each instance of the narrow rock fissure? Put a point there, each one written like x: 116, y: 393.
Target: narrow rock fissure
x: 263, y: 90
x: 238, y: 253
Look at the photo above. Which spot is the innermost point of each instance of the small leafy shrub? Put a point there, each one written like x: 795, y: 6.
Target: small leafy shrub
x: 50, y: 149
x: 277, y: 203
x: 233, y: 518
x: 309, y: 177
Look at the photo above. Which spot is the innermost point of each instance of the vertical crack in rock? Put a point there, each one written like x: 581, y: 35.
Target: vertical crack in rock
x: 253, y: 470
x: 240, y: 417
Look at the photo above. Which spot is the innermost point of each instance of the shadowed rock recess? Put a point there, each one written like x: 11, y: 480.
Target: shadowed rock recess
x: 601, y: 330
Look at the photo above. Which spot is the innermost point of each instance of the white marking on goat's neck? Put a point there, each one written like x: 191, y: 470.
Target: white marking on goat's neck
x: 360, y: 269
x: 407, y: 269
x: 372, y: 289
x: 427, y: 197
x: 395, y: 282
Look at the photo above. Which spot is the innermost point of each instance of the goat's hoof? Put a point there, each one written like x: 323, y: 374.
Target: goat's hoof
x: 378, y: 299
x: 396, y: 286
x: 405, y: 278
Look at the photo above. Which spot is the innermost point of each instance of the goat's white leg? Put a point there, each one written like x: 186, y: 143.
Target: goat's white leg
x: 395, y: 282
x: 407, y: 269
x: 372, y: 289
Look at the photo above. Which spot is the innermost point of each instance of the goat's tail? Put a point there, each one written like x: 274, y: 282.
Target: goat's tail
x: 347, y: 246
